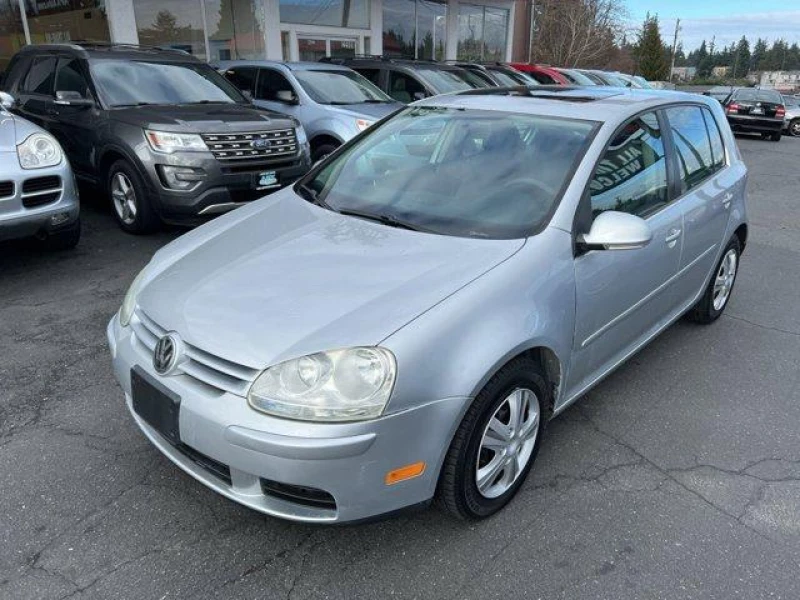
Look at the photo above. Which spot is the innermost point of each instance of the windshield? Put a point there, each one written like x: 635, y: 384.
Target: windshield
x: 577, y: 77
x: 469, y: 173
x: 506, y: 79
x: 474, y: 79
x: 443, y: 81
x: 134, y: 83
x: 642, y: 82
x: 339, y: 87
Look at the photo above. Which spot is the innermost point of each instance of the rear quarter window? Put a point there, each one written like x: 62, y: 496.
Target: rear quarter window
x: 692, y: 145
x: 715, y: 136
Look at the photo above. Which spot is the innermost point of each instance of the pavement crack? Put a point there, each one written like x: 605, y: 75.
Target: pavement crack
x: 760, y: 325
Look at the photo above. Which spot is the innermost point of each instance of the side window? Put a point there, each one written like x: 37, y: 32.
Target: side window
x: 632, y: 175
x: 692, y: 146
x: 270, y: 82
x: 40, y: 77
x: 244, y: 78
x: 69, y: 77
x: 717, y: 147
x: 374, y: 75
x: 402, y: 87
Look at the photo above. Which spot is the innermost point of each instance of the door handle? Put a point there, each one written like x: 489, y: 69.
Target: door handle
x: 672, y: 237
x: 726, y: 200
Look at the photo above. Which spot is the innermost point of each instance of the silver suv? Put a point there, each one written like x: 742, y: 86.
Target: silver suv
x: 404, y: 321
x: 332, y: 102
x: 38, y: 196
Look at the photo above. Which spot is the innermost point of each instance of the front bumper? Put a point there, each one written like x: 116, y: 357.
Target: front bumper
x: 348, y: 461
x: 18, y: 221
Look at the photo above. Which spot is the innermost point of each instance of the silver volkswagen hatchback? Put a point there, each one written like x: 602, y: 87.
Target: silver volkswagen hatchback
x: 402, y: 323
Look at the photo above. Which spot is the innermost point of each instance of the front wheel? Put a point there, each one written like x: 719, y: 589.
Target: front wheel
x: 322, y: 151
x: 794, y: 127
x: 129, y: 199
x: 496, y: 444
x: 715, y: 299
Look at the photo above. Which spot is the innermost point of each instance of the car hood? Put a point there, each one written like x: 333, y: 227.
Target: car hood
x: 366, y: 110
x: 203, y: 118
x: 8, y: 132
x: 292, y: 279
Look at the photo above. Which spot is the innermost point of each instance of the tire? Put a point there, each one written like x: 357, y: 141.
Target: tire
x: 794, y: 127
x: 458, y: 491
x: 129, y: 200
x: 711, y: 306
x: 776, y: 137
x: 64, y: 239
x: 322, y: 151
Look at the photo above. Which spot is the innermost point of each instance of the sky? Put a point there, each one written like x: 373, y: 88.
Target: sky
x: 727, y: 19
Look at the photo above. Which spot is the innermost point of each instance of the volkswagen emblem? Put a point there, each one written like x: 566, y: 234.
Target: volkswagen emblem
x: 167, y: 353
x: 260, y: 144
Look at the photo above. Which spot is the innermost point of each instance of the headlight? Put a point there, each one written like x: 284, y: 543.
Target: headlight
x: 165, y: 141
x: 302, y: 138
x: 362, y: 124
x: 353, y: 384
x: 129, y: 303
x: 38, y: 151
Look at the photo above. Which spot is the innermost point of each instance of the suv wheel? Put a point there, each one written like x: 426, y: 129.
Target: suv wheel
x: 494, y: 447
x: 322, y: 151
x: 129, y: 199
x: 64, y: 239
x: 718, y: 292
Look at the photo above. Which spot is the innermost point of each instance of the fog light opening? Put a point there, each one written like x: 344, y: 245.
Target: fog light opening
x: 405, y: 473
x: 180, y: 178
x: 59, y: 219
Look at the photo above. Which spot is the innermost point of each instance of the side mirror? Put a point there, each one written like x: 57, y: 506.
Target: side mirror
x: 287, y: 97
x: 420, y: 95
x: 73, y: 99
x: 7, y: 100
x: 612, y: 230
x: 248, y: 94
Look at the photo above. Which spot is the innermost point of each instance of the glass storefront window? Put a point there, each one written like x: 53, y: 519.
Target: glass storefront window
x: 12, y: 34
x: 172, y: 23
x: 55, y: 21
x: 482, y: 32
x: 235, y: 29
x: 312, y: 49
x: 334, y: 13
x: 414, y: 28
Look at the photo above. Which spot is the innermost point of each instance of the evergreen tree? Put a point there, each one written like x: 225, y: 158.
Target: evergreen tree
x: 650, y: 53
x: 741, y: 59
x: 758, y: 55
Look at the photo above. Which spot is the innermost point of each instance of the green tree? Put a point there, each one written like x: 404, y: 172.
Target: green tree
x: 758, y: 55
x: 650, y: 52
x: 741, y: 59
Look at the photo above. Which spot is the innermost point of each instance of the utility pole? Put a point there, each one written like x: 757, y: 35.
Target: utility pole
x: 530, y: 33
x: 674, y: 48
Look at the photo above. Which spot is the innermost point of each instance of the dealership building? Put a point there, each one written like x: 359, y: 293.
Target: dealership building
x: 273, y: 29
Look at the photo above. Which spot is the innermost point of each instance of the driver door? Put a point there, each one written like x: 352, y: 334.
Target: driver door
x: 624, y: 296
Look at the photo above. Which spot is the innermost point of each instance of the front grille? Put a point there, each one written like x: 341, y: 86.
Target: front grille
x: 41, y: 190
x: 6, y: 188
x: 214, y: 467
x: 231, y: 147
x: 40, y: 184
x: 298, y: 494
x: 202, y: 366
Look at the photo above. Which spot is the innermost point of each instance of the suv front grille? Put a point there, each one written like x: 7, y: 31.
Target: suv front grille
x: 202, y: 366
x: 41, y: 190
x: 6, y: 188
x: 257, y: 145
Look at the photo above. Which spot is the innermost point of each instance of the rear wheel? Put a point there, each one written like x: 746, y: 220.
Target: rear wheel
x: 129, y: 199
x: 776, y: 137
x: 496, y: 443
x: 718, y: 293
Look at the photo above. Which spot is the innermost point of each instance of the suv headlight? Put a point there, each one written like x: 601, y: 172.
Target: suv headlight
x: 129, y: 303
x: 169, y: 142
x: 38, y: 151
x: 352, y: 384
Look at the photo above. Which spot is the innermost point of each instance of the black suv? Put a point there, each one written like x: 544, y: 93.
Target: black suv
x: 165, y: 135
x: 407, y: 80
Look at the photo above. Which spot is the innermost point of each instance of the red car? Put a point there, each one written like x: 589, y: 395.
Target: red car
x: 542, y: 73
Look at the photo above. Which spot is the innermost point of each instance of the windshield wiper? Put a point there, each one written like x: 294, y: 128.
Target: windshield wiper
x: 135, y: 104
x: 389, y: 220
x: 311, y: 195
x: 375, y: 101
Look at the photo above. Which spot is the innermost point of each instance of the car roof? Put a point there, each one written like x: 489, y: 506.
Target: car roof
x: 292, y: 66
x: 112, y: 51
x: 597, y: 103
x: 398, y: 62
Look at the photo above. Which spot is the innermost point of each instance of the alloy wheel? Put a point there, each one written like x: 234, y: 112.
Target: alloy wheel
x: 726, y: 274
x: 794, y: 127
x: 507, y: 443
x: 124, y: 198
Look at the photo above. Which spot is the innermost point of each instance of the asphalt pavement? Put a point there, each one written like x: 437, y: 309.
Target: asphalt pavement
x: 678, y: 477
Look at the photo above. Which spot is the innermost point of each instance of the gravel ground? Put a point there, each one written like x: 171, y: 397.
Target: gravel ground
x: 678, y: 477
